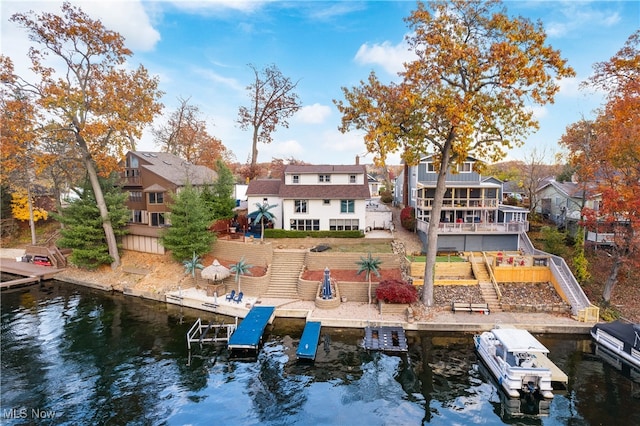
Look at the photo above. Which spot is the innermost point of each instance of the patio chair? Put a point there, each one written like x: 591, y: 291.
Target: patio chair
x: 238, y: 298
x: 231, y: 296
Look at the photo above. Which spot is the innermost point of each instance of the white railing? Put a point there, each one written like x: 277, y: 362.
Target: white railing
x: 483, y: 228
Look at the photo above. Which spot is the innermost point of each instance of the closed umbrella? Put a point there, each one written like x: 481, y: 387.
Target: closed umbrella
x: 326, y: 284
x: 215, y: 271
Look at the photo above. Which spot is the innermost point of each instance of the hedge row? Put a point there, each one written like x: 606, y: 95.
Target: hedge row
x: 283, y: 233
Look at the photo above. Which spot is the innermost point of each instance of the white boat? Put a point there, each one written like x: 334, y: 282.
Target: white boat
x: 517, y: 360
x: 621, y: 338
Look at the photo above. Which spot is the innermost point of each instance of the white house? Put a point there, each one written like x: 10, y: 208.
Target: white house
x: 315, y: 197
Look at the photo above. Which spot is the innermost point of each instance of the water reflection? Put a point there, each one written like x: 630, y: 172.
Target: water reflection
x: 98, y: 358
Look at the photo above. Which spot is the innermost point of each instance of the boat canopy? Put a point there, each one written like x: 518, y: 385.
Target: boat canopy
x: 517, y: 340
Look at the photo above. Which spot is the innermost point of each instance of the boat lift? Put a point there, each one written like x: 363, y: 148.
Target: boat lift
x: 209, y: 333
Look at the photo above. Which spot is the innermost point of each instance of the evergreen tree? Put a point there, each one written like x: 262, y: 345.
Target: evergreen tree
x: 83, y: 231
x: 190, y: 220
x: 219, y: 196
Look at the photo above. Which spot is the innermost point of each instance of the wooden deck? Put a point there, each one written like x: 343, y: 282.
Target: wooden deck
x: 32, y: 273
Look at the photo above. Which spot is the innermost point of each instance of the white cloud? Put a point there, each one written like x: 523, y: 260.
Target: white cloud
x: 218, y: 5
x: 577, y: 15
x: 313, y: 114
x: 214, y: 77
x: 391, y: 58
x: 279, y: 149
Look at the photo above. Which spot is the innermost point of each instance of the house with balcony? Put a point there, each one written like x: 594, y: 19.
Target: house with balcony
x: 315, y: 197
x: 150, y: 178
x: 473, y: 217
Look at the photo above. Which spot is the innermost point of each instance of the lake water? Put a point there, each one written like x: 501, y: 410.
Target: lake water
x: 76, y: 356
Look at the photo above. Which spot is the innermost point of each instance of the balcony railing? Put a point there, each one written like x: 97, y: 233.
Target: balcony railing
x: 483, y: 228
x: 463, y: 203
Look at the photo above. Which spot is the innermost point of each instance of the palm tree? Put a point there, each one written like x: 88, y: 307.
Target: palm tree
x: 263, y: 214
x: 369, y: 265
x: 239, y: 269
x: 191, y: 265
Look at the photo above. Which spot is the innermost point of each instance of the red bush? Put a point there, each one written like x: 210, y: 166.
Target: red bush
x: 396, y: 291
x: 408, y: 218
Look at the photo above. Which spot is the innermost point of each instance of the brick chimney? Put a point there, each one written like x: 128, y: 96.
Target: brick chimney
x: 357, y: 160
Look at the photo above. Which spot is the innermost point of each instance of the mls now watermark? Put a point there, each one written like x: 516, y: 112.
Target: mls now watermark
x: 28, y: 413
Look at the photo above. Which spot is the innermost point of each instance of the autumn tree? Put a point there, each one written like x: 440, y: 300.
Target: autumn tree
x: 608, y: 152
x: 185, y: 135
x: 85, y: 88
x: 273, y: 101
x: 469, y: 91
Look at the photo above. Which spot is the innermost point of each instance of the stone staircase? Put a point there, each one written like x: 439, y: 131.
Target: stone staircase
x: 486, y: 287
x: 285, y: 270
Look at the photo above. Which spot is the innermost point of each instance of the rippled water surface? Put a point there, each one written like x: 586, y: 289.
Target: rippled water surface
x: 76, y: 356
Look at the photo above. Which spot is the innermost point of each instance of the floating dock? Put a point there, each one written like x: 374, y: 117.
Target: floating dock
x: 249, y: 333
x: 209, y: 333
x: 309, y: 341
x: 386, y: 339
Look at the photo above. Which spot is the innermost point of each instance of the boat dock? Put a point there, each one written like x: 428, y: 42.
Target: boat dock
x: 209, y: 333
x: 249, y: 333
x: 388, y: 339
x: 309, y: 341
x: 557, y: 375
x: 30, y: 272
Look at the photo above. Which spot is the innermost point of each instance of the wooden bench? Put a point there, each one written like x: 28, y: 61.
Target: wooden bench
x: 470, y: 307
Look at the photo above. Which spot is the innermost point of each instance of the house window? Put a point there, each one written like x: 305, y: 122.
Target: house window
x: 326, y: 202
x: 464, y: 167
x: 324, y: 178
x: 156, y: 198
x: 347, y: 206
x: 132, y: 162
x: 300, y: 206
x: 295, y: 179
x: 352, y: 178
x: 157, y: 219
x: 136, y: 216
x: 305, y: 224
x: 135, y: 196
x: 344, y: 224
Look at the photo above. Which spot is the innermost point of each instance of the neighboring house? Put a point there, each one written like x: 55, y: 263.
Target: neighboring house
x: 472, y: 217
x: 374, y: 185
x: 562, y: 202
x: 150, y: 178
x: 511, y: 189
x: 315, y: 197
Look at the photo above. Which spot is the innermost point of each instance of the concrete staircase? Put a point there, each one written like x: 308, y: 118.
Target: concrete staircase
x: 285, y: 270
x: 486, y: 287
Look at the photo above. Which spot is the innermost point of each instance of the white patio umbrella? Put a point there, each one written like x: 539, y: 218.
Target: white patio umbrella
x: 215, y: 271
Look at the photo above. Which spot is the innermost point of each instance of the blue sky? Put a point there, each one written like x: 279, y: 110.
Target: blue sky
x: 200, y: 50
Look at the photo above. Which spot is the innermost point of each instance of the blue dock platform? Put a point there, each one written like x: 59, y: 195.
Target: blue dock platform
x: 249, y: 333
x: 309, y: 341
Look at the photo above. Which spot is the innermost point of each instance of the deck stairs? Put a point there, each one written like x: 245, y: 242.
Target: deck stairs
x: 286, y: 267
x: 486, y: 287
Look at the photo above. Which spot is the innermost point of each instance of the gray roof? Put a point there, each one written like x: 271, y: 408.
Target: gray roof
x: 174, y: 169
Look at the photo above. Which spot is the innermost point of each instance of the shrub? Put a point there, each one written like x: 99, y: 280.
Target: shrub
x: 408, y: 218
x: 396, y: 291
x: 283, y: 233
x: 386, y: 196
